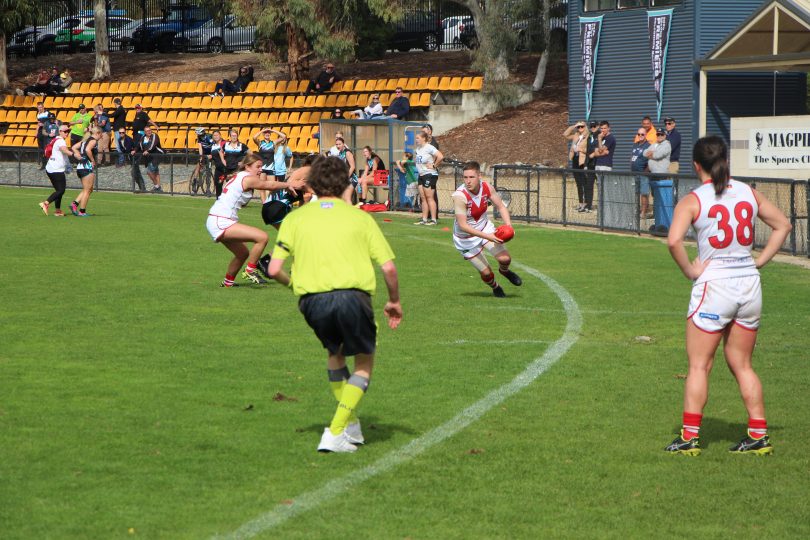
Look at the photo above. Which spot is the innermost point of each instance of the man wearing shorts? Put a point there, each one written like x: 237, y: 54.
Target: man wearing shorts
x: 473, y: 232
x: 334, y: 247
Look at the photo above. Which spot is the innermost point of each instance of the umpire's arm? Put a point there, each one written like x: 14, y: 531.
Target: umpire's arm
x: 392, y: 309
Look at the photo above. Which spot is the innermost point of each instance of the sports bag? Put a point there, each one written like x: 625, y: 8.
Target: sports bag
x: 49, y: 148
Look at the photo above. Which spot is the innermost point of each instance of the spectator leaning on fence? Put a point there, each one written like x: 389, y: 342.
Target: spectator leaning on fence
x: 638, y: 164
x: 658, y: 154
x: 399, y: 107
x: 674, y: 138
x: 324, y: 81
x: 119, y: 124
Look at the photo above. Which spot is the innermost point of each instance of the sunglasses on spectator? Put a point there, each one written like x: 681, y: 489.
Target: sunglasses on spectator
x: 398, y: 92
x: 63, y: 130
x: 330, y: 67
x: 641, y: 134
x: 669, y: 122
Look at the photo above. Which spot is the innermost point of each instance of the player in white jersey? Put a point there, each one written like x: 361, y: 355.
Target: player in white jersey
x: 223, y: 221
x: 473, y: 232
x: 726, y: 295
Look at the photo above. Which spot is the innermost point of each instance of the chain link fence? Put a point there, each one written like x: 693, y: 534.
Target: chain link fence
x: 536, y: 194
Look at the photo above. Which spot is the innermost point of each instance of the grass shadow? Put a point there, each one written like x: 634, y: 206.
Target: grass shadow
x: 715, y: 430
x: 373, y: 429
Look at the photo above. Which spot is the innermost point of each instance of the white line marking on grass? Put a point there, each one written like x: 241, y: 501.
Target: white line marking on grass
x: 587, y: 311
x: 496, y: 342
x: 333, y: 488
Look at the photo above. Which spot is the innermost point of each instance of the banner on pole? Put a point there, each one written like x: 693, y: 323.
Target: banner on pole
x: 658, y: 25
x: 589, y: 30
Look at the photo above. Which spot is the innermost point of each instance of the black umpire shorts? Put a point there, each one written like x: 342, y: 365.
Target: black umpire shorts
x: 343, y: 320
x: 428, y: 181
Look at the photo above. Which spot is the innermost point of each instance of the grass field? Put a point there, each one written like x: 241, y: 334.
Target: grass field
x: 139, y: 399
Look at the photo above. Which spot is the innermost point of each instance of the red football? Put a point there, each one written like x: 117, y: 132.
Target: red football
x: 505, y: 233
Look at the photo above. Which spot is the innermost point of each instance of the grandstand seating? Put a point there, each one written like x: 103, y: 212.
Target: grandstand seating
x: 178, y: 107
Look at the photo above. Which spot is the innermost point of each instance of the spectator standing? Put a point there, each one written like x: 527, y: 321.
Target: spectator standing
x: 140, y: 122
x: 218, y: 159
x: 79, y: 124
x: 658, y: 155
x: 126, y: 146
x: 592, y: 148
x: 607, y: 145
x: 150, y: 150
x: 281, y: 154
x: 373, y: 110
x: 324, y: 81
x: 86, y: 152
x: 233, y: 151
x: 119, y: 124
x: 577, y: 155
x: 428, y: 159
x: 427, y: 129
x: 243, y: 78
x: 638, y: 164
x: 408, y: 178
x: 103, y: 122
x: 674, y: 138
x: 399, y: 107
x: 42, y: 120
x: 649, y: 129
x: 55, y: 169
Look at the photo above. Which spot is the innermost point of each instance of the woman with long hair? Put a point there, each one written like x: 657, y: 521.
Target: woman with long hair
x: 373, y: 164
x: 218, y: 159
x: 726, y: 298
x: 428, y: 159
x: 86, y: 152
x: 55, y: 169
x: 223, y: 221
x: 347, y: 157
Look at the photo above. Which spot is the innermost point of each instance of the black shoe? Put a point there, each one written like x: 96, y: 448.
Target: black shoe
x: 682, y: 446
x: 749, y: 445
x: 498, y: 292
x: 263, y: 264
x: 513, y: 278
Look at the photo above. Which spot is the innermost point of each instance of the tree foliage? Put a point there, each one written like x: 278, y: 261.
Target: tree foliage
x: 14, y: 14
x: 326, y: 28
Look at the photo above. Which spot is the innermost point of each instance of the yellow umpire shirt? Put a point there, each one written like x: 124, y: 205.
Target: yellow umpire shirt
x: 334, y: 246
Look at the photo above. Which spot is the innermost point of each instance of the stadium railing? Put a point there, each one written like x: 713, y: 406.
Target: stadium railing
x: 537, y: 194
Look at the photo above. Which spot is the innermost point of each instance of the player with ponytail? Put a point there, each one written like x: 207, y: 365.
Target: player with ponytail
x: 726, y: 298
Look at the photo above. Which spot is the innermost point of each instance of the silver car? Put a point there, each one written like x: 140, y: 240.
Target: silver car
x: 218, y: 36
x: 122, y: 40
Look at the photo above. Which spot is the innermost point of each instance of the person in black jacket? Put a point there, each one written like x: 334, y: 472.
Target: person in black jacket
x: 118, y: 117
x: 140, y: 122
x: 149, y: 150
x: 399, y: 107
x: 324, y: 81
x: 239, y: 84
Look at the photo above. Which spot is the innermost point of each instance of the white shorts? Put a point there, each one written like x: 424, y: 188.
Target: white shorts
x: 717, y: 303
x: 474, y: 245
x: 217, y: 225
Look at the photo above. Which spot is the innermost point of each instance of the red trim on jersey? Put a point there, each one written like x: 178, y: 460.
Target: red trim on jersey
x: 700, y: 207
x: 705, y: 286
x: 749, y: 329
x: 707, y: 331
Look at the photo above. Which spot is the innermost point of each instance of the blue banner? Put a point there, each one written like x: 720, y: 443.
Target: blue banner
x: 658, y: 24
x: 589, y: 30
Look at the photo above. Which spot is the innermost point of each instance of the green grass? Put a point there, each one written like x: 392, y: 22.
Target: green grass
x: 126, y: 372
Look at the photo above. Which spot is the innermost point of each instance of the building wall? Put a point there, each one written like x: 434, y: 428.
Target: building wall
x: 623, y: 91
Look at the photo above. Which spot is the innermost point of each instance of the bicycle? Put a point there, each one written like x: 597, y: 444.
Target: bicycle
x: 201, y: 179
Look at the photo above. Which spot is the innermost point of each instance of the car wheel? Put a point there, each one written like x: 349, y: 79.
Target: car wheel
x: 215, y: 45
x: 431, y: 42
x: 164, y: 44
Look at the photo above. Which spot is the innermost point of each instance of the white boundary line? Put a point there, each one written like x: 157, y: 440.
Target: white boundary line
x: 312, y: 499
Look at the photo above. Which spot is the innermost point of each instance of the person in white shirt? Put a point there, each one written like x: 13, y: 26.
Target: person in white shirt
x: 55, y: 169
x: 427, y: 160
x: 373, y: 110
x: 726, y: 301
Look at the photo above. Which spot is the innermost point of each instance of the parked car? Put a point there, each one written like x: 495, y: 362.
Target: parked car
x: 217, y: 36
x: 178, y: 20
x: 418, y: 30
x: 452, y: 29
x: 122, y: 40
x: 82, y: 37
x: 39, y: 40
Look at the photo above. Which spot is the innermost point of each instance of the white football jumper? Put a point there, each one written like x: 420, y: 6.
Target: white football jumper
x: 729, y: 289
x: 477, y: 205
x: 224, y: 212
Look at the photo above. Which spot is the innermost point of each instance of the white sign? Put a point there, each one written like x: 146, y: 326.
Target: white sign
x: 779, y: 148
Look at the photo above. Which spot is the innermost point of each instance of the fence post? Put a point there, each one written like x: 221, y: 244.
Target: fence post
x: 19, y: 169
x: 528, y: 199
x: 793, y: 217
x: 602, y: 202
x: 171, y: 174
x: 807, y: 194
x: 564, y: 198
x: 637, y: 189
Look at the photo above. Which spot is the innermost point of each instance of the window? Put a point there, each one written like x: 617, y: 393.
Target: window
x: 609, y: 5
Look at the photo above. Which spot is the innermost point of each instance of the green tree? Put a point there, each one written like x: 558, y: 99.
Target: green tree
x: 326, y: 28
x: 14, y: 14
x: 497, y: 41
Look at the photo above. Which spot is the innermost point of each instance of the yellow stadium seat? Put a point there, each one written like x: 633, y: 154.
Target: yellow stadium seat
x: 289, y: 102
x: 160, y: 116
x: 360, y: 86
x: 338, y: 86
x: 16, y: 141
x: 420, y: 83
x: 270, y: 87
x: 295, y: 132
x: 130, y: 115
x: 3, y: 113
x: 293, y: 118
x: 272, y: 119
x: 282, y: 118
x: 193, y: 117
x: 247, y: 102
x: 207, y: 87
x: 112, y: 88
x: 331, y: 101
x: 143, y: 88
x: 147, y: 102
x: 300, y: 102
x: 278, y: 102
x: 385, y: 99
x: 445, y: 84
x: 313, y: 146
x: 174, y: 103
x: 424, y: 99
x: 172, y: 87
x: 477, y: 83
x: 78, y: 88
x: 236, y: 102
x: 162, y: 88
x: 225, y: 103
x: 243, y: 118
x: 318, y: 101
x: 348, y: 86
x: 186, y: 87
x: 433, y: 84
x: 233, y: 118
x: 205, y: 102
x: 455, y: 83
x: 182, y: 117
x: 340, y: 101
x: 466, y: 84
x: 281, y: 87
x: 94, y: 89
x: 152, y: 88
x: 260, y: 87
x: 30, y: 142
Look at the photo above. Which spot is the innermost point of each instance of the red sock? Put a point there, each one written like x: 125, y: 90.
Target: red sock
x: 757, y: 428
x: 691, y: 425
x: 250, y: 268
x: 489, y: 279
x: 228, y: 281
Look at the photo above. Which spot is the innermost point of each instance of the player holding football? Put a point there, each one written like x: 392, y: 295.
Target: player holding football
x: 726, y: 296
x: 473, y: 232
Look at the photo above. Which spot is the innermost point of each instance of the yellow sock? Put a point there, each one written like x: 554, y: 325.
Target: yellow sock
x: 349, y: 399
x: 337, y: 390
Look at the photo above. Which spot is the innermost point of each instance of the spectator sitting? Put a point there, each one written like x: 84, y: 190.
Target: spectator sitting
x: 373, y: 110
x: 39, y: 88
x: 55, y: 82
x: 124, y: 144
x: 373, y: 164
x: 324, y: 81
x: 337, y: 113
x: 399, y: 107
x: 239, y: 84
x: 66, y: 79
